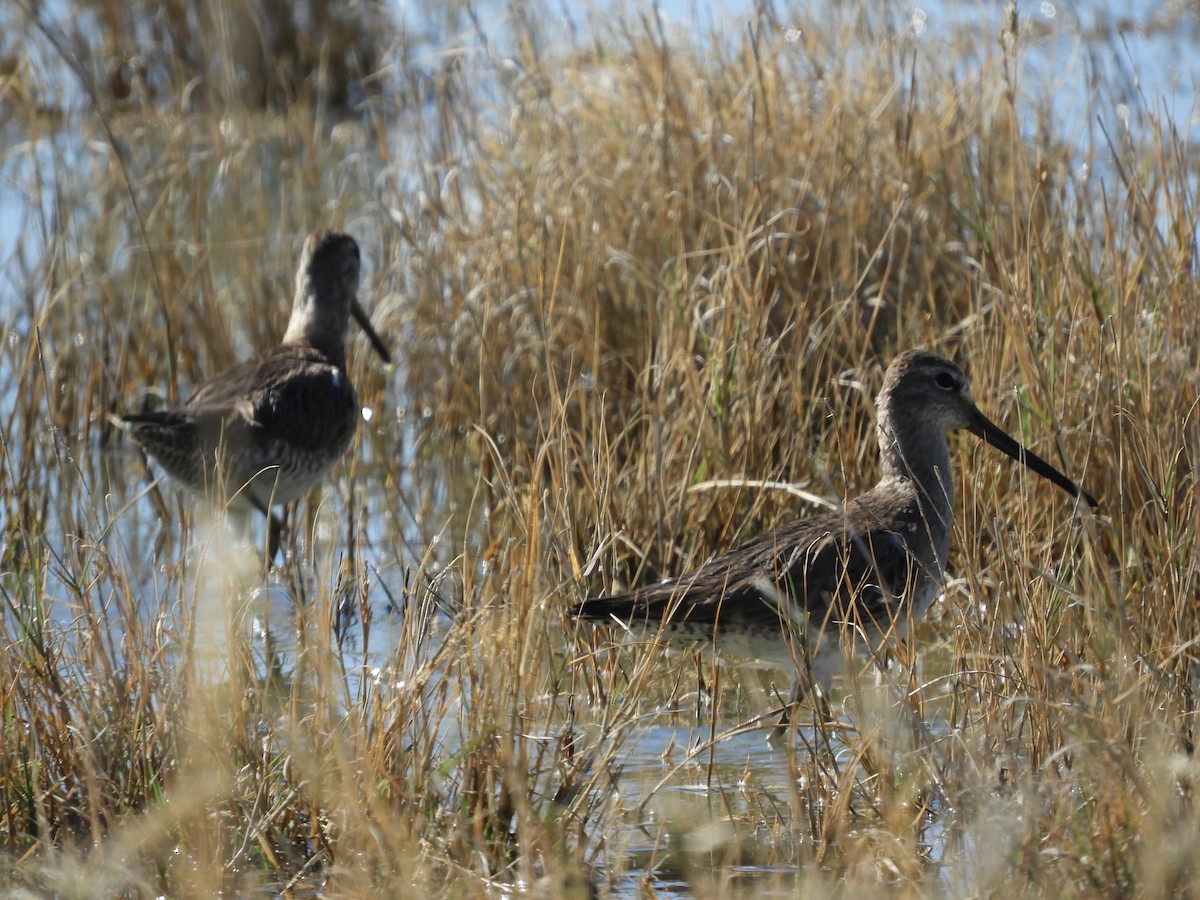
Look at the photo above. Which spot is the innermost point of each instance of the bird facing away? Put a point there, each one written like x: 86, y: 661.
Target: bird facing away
x: 267, y: 430
x: 866, y: 570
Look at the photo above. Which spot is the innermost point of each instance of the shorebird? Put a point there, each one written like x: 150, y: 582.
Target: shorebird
x: 267, y: 430
x: 865, y: 571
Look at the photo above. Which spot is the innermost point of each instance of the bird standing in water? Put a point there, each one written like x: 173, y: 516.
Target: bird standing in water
x: 268, y: 430
x: 865, y: 571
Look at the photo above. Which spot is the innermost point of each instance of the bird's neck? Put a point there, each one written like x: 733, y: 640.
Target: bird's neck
x: 920, y: 455
x: 317, y: 325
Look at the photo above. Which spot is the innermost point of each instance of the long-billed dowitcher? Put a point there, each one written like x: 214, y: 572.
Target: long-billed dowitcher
x: 866, y: 570
x: 267, y: 430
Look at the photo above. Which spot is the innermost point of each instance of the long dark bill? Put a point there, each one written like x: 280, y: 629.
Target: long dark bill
x: 983, y: 427
x: 361, y: 318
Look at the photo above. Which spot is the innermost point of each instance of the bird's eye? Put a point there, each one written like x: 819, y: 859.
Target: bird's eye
x: 945, y: 381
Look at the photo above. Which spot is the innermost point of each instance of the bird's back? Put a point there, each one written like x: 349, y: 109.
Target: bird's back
x: 860, y: 565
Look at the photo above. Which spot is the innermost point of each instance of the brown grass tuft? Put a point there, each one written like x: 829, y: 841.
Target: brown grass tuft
x: 620, y: 264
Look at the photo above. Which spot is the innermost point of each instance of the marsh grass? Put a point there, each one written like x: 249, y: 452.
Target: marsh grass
x: 625, y: 270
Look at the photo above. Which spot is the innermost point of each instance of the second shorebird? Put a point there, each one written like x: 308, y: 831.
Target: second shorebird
x: 865, y: 571
x: 267, y: 431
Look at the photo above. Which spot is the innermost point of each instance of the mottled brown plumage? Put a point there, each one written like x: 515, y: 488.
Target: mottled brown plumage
x: 867, y: 570
x: 267, y: 430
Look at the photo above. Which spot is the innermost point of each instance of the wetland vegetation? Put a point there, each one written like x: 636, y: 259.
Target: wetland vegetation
x: 631, y: 273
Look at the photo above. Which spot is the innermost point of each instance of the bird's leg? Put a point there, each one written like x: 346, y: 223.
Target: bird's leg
x: 781, y: 727
x: 274, y: 536
x: 812, y: 684
x: 274, y: 529
x: 804, y: 691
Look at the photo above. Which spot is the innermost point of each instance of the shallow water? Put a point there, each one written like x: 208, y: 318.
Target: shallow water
x: 685, y: 763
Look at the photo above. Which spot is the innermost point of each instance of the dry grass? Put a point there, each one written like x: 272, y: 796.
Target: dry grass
x: 617, y: 266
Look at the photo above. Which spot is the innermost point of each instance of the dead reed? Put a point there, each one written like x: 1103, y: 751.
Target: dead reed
x: 620, y: 264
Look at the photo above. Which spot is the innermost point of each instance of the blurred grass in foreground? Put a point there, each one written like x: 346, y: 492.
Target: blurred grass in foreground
x: 618, y: 263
